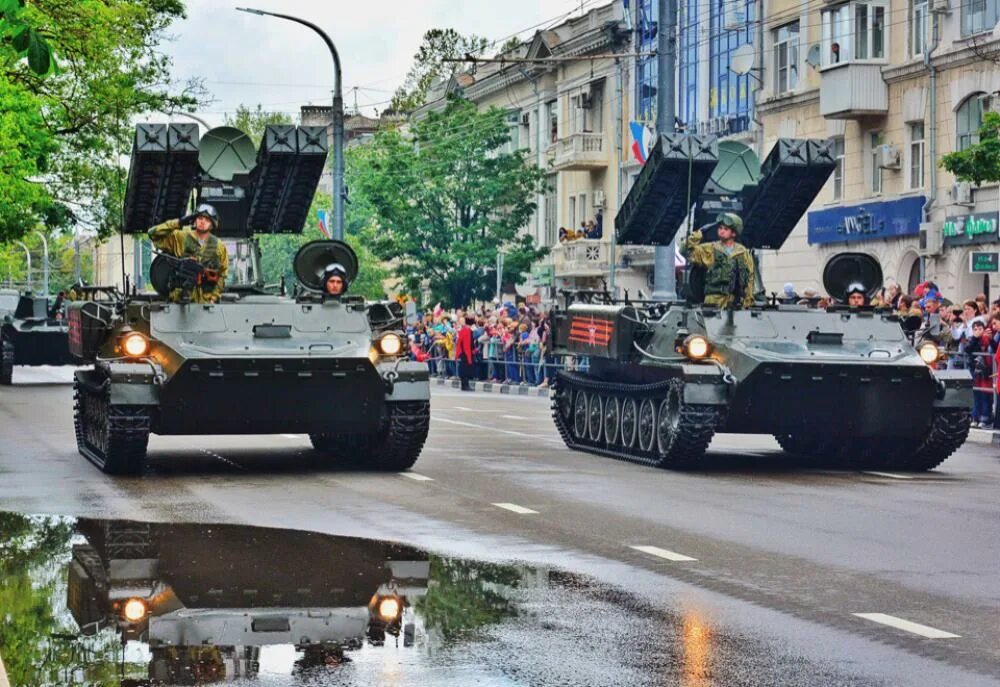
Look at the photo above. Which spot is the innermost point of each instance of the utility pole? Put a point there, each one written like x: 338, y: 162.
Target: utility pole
x: 27, y: 253
x: 45, y: 264
x: 664, y: 275
x: 77, y: 267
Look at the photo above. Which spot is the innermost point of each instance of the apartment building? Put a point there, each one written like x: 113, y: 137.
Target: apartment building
x: 572, y: 117
x: 896, y: 84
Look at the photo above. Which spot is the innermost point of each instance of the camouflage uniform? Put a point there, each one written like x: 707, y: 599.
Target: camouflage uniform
x: 183, y: 243
x: 719, y: 267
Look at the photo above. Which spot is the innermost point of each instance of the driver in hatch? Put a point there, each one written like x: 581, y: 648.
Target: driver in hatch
x: 199, y: 244
x: 335, y: 280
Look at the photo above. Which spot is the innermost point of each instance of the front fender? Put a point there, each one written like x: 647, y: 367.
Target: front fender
x: 954, y: 388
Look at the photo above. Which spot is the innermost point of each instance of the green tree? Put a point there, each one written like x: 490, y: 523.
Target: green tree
x: 253, y: 121
x: 73, y: 75
x: 62, y: 261
x: 980, y: 162
x: 429, y: 63
x: 447, y: 198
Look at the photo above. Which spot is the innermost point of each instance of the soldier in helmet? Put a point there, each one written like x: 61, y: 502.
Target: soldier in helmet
x: 198, y: 243
x: 335, y: 280
x: 857, y: 295
x: 729, y: 269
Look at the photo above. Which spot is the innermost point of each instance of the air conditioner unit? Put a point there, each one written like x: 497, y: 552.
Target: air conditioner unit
x: 961, y: 193
x: 598, y: 198
x: 887, y: 156
x: 931, y: 239
x: 940, y: 6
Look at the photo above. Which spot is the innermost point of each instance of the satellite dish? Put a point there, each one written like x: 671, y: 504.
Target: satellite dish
x: 737, y: 167
x: 225, y: 151
x: 743, y: 58
x: 813, y: 57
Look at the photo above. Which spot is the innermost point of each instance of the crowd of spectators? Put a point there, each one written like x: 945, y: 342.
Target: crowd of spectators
x: 967, y: 332
x: 505, y: 343
x: 589, y: 229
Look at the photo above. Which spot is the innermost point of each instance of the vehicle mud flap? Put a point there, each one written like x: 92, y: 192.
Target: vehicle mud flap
x: 651, y: 424
x: 395, y: 446
x: 112, y: 437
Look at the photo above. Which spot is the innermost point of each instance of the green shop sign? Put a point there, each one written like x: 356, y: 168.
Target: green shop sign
x: 541, y: 274
x: 979, y: 227
x: 980, y: 263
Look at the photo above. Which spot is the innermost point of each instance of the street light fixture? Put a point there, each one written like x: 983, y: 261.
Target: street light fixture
x: 338, y: 120
x: 28, y: 254
x: 45, y: 264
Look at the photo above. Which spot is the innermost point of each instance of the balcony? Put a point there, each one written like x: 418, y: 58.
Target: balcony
x: 853, y: 90
x: 582, y: 258
x: 580, y: 152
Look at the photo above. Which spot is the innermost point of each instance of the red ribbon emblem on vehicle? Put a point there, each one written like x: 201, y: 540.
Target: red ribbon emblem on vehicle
x: 591, y: 331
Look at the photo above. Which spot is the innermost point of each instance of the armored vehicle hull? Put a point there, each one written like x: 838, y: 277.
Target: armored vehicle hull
x: 31, y: 336
x: 842, y: 385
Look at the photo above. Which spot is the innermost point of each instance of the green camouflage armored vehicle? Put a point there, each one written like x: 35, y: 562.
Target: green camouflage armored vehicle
x: 32, y: 333
x: 254, y: 362
x: 206, y: 599
x: 842, y: 385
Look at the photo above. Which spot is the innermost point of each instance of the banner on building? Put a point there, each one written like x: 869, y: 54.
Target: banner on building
x: 885, y: 219
x: 984, y: 263
x: 972, y: 228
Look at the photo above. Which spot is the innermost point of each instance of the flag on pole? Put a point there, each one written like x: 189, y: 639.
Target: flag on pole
x: 642, y: 141
x: 324, y: 222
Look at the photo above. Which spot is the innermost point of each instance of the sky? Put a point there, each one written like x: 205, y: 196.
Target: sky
x: 250, y: 59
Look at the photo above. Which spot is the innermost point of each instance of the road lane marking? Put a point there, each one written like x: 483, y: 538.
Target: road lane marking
x: 416, y: 477
x: 890, y: 475
x: 663, y: 553
x: 906, y: 625
x: 515, y: 417
x: 494, y: 429
x: 294, y: 436
x: 514, y: 508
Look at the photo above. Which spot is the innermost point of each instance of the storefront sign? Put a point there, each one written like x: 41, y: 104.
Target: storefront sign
x: 868, y: 221
x: 979, y: 227
x: 982, y: 263
x: 541, y: 274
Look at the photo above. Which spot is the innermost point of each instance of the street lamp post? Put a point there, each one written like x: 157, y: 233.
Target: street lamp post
x: 28, y: 255
x: 338, y: 120
x: 45, y: 264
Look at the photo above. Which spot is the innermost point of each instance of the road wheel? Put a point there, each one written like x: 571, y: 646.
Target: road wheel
x: 612, y: 419
x: 6, y: 362
x: 595, y: 416
x: 647, y: 424
x: 630, y: 422
x: 580, y: 415
x: 668, y: 422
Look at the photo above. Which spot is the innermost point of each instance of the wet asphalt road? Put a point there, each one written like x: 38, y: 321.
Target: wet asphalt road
x: 755, y: 571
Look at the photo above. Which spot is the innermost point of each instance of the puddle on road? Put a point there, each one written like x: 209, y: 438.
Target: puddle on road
x: 114, y: 602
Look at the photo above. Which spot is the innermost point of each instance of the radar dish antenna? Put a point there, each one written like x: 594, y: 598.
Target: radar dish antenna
x: 224, y: 152
x: 738, y: 166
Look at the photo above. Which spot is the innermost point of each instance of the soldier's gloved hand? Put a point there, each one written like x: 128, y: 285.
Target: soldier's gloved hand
x: 694, y: 238
x: 186, y: 219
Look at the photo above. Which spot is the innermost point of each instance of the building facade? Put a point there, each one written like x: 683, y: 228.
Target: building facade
x: 572, y: 117
x: 896, y: 84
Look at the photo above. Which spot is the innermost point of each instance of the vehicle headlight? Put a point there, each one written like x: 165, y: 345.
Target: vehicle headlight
x: 929, y: 352
x: 390, y: 344
x: 134, y: 610
x: 389, y: 608
x: 134, y: 344
x: 697, y: 347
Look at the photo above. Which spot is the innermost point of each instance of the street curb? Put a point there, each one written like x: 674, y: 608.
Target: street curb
x: 984, y: 436
x: 496, y: 388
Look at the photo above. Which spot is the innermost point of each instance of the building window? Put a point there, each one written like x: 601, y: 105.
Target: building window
x: 876, y: 143
x: 572, y: 213
x: 553, y: 110
x: 916, y: 155
x: 838, y: 171
x: 730, y: 97
x: 581, y: 208
x: 687, y: 72
x: 856, y: 31
x: 586, y: 107
x: 979, y: 15
x: 786, y: 58
x: 918, y: 27
x: 646, y: 14
x: 968, y: 120
x: 550, y: 211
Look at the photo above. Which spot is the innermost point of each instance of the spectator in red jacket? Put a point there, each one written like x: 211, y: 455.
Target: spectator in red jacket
x: 464, y: 352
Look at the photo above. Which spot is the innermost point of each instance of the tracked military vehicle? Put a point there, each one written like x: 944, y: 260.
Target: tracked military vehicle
x: 32, y: 333
x: 842, y: 385
x: 255, y: 362
x: 206, y: 599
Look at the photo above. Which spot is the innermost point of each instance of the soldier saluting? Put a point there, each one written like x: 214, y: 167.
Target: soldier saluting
x: 729, y: 270
x: 199, y: 244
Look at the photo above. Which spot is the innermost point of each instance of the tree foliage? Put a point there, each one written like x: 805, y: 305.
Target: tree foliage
x: 429, y: 63
x: 73, y: 75
x: 447, y: 198
x: 252, y: 122
x: 980, y: 162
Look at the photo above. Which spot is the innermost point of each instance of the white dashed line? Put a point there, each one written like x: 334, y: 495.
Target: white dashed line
x: 416, y: 477
x: 515, y: 417
x: 493, y: 429
x: 663, y: 553
x: 890, y: 475
x: 907, y: 626
x: 514, y: 508
x: 294, y: 436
